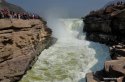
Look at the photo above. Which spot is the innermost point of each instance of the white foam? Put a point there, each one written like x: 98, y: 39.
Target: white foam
x: 70, y: 58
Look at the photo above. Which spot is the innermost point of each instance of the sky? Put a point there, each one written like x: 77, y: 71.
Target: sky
x: 60, y: 8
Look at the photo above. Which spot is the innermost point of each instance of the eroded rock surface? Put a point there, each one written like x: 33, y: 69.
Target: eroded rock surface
x: 107, y: 26
x: 21, y: 41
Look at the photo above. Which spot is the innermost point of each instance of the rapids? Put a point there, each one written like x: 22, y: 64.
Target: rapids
x: 70, y: 58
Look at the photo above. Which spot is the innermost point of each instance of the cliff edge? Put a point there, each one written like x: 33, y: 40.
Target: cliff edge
x: 22, y: 38
x: 107, y: 26
x: 21, y: 41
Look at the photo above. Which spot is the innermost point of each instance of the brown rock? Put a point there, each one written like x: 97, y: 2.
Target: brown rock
x: 115, y: 67
x: 91, y: 78
x: 109, y: 9
x: 21, y: 41
x: 120, y: 79
x: 117, y: 51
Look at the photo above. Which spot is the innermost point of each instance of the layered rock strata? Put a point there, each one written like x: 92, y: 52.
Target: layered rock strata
x: 21, y: 41
x: 107, y: 26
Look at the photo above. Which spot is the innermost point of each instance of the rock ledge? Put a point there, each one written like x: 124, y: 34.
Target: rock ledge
x: 21, y: 41
x: 107, y: 26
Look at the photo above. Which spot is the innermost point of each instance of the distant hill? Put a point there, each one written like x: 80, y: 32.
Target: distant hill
x: 11, y: 7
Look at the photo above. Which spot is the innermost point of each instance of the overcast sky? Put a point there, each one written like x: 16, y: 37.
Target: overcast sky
x: 64, y: 8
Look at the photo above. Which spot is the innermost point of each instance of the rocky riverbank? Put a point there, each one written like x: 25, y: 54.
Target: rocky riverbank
x: 107, y: 26
x: 21, y: 41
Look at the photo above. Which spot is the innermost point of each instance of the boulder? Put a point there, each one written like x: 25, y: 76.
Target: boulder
x: 91, y: 78
x: 115, y: 68
x: 117, y: 51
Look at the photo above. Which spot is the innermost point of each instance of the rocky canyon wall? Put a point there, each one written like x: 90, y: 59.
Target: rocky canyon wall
x: 107, y: 26
x: 21, y: 41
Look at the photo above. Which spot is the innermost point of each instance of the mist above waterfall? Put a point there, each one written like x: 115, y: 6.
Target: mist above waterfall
x: 70, y: 58
x: 65, y: 29
x: 61, y: 8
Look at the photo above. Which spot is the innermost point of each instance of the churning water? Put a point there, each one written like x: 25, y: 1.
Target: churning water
x: 70, y: 58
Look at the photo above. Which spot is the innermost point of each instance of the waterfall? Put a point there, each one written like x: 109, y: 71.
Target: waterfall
x: 70, y: 58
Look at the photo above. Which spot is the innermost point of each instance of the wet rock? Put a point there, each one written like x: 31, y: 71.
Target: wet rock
x: 102, y: 38
x: 107, y: 23
x: 107, y: 26
x: 117, y: 51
